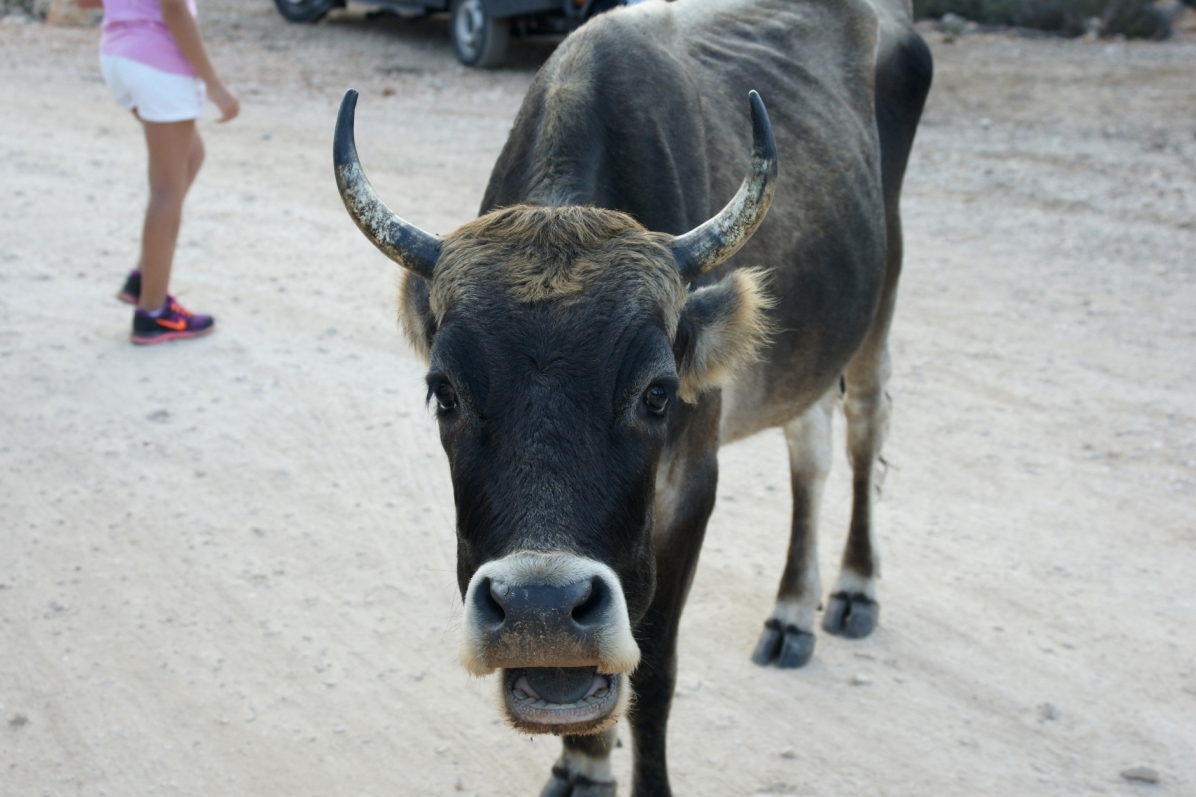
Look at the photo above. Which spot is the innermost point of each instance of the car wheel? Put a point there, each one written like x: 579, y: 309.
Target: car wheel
x: 479, y: 39
x: 304, y: 10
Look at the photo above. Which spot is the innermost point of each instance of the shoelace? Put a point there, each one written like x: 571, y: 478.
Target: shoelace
x: 178, y: 308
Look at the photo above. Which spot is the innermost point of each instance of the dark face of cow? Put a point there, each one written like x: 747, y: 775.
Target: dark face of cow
x: 553, y: 375
x: 550, y: 333
x: 560, y: 342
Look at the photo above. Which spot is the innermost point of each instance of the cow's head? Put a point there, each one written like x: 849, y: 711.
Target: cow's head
x: 560, y: 342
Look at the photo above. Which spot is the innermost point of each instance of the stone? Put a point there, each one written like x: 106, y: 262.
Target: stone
x: 1141, y: 774
x: 1048, y: 711
x: 953, y: 24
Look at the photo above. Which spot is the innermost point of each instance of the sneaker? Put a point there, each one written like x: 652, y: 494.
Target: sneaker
x: 175, y: 322
x: 131, y: 292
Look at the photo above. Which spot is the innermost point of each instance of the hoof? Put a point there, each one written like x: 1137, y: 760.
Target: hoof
x: 562, y: 784
x: 853, y: 615
x: 788, y: 647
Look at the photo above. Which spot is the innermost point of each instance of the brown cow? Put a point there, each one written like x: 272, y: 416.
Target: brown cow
x: 593, y: 337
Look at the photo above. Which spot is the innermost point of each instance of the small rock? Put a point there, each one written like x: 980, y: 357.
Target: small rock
x: 953, y: 24
x: 459, y: 785
x: 860, y: 680
x: 788, y: 752
x: 1141, y: 774
x: 18, y: 720
x: 442, y: 749
x: 1048, y: 711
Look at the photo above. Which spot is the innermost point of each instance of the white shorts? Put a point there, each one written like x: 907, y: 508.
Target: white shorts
x: 157, y: 96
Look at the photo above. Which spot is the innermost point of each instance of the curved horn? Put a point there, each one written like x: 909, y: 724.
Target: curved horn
x: 711, y: 243
x: 404, y: 243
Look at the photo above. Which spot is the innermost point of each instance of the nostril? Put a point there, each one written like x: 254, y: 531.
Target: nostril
x: 592, y: 607
x: 487, y: 601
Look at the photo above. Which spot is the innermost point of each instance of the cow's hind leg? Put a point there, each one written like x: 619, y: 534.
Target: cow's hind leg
x: 583, y: 770
x: 902, y: 83
x: 788, y: 638
x: 852, y: 609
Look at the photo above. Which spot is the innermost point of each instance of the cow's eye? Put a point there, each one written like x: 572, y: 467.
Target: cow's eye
x: 446, y: 396
x: 656, y: 399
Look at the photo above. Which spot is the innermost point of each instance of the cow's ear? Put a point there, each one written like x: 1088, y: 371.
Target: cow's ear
x: 722, y: 329
x: 415, y: 314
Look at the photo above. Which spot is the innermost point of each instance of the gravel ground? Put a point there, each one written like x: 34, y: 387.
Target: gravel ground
x: 227, y: 566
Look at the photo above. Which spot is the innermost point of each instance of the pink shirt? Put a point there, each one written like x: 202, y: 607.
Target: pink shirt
x: 134, y: 29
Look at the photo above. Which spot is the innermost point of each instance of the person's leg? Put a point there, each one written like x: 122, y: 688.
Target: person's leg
x: 195, y: 159
x: 175, y: 155
x: 132, y: 290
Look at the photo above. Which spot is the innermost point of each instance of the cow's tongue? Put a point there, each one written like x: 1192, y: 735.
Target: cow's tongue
x: 561, y: 684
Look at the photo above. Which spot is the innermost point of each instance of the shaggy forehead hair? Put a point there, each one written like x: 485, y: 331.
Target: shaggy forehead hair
x: 557, y: 254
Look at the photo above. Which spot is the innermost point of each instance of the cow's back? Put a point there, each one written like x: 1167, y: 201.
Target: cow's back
x: 645, y: 110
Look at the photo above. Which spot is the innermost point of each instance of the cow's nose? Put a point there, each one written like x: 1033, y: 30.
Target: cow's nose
x: 566, y: 615
x: 557, y: 610
x: 553, y: 620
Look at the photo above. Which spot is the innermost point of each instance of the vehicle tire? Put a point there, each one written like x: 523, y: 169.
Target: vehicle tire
x: 479, y: 39
x: 304, y: 10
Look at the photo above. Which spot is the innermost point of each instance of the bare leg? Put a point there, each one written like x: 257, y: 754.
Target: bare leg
x: 175, y: 156
x: 788, y: 638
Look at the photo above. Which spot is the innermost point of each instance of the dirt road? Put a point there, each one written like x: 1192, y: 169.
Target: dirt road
x: 227, y: 567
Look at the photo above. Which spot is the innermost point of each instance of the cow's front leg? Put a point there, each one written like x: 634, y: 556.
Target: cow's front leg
x: 583, y: 770
x: 686, y: 484
x: 788, y: 638
x: 852, y: 609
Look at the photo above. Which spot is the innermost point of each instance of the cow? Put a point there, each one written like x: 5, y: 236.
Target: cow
x: 603, y: 326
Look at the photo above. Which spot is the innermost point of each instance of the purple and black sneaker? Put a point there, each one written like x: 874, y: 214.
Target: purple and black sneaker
x: 131, y: 292
x: 174, y: 322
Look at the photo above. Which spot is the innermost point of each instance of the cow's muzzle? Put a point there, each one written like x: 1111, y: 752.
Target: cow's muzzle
x: 557, y: 626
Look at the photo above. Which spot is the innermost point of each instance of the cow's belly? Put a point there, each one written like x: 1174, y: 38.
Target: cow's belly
x: 812, y: 350
x: 751, y: 405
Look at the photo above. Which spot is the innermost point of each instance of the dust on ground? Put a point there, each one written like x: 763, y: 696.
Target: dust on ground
x: 227, y: 566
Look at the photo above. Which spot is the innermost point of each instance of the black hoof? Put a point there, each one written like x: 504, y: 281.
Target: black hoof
x: 563, y: 784
x: 788, y: 647
x: 853, y: 615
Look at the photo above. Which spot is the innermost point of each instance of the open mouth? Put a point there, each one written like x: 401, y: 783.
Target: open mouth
x: 574, y: 700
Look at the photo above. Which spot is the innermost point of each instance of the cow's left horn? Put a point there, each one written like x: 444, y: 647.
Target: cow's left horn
x: 711, y: 243
x: 404, y: 243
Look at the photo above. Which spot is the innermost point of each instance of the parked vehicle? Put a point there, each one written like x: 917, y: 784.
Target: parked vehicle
x: 480, y: 29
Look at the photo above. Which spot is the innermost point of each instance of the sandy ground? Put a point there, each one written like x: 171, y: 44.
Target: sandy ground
x: 226, y: 566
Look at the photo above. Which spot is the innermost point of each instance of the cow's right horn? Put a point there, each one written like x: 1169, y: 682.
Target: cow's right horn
x: 711, y: 243
x: 404, y: 243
